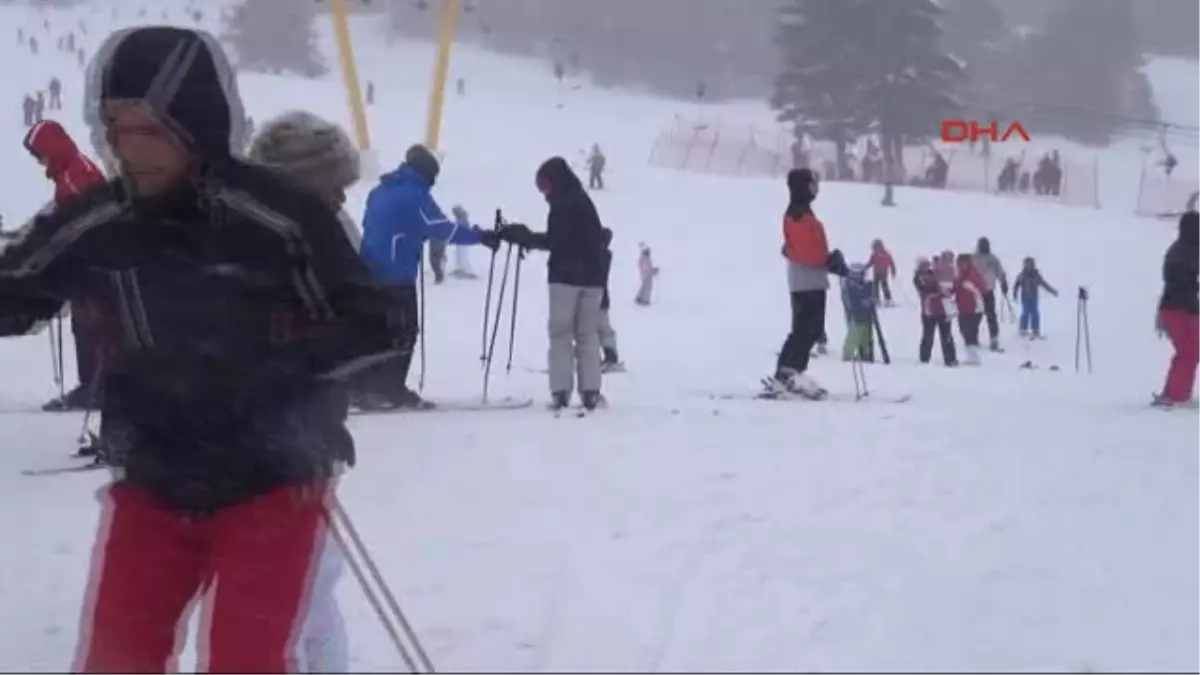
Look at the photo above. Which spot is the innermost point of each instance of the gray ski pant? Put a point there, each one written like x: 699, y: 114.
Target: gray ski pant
x: 574, y: 337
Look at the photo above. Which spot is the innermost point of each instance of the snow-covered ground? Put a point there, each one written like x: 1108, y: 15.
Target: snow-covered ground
x: 1004, y: 519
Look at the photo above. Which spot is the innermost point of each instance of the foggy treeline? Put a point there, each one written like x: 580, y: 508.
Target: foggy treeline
x: 1069, y: 67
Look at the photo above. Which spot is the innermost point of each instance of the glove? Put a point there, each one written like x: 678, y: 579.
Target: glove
x: 489, y: 239
x: 836, y: 263
x: 783, y: 250
x: 514, y: 233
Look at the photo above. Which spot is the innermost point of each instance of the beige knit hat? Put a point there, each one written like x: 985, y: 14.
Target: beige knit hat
x: 312, y: 151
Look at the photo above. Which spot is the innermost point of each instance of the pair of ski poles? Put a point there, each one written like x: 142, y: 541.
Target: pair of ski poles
x: 488, y: 343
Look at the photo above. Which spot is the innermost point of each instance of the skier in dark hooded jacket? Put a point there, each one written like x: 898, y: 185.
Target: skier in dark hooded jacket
x: 243, y: 305
x: 1179, y: 310
x: 576, y: 271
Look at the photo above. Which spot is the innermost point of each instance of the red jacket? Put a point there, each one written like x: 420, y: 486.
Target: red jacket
x: 882, y: 264
x: 969, y: 287
x: 71, y: 170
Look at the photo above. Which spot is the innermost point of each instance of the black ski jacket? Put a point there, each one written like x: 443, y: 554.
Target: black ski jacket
x: 574, y: 235
x: 1181, y: 269
x: 237, y: 301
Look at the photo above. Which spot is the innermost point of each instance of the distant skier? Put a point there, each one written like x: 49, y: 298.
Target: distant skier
x: 810, y: 261
x: 574, y: 237
x: 401, y: 215
x: 595, y: 167
x: 993, y: 273
x: 883, y: 268
x: 55, y: 89
x: 969, y: 287
x: 462, y: 254
x: 370, y: 92
x: 647, y: 272
x: 39, y: 107
x: 1026, y: 290
x: 460, y: 86
x: 858, y: 301
x: 28, y: 108
x: 33, y: 45
x: 935, y: 314
x: 610, y: 361
x: 72, y: 174
x: 1179, y: 310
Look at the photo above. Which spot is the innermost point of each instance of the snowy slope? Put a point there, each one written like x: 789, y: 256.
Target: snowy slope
x: 1004, y: 519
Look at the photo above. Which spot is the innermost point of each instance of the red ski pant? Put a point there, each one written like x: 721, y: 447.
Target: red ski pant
x: 1183, y: 329
x: 254, y: 560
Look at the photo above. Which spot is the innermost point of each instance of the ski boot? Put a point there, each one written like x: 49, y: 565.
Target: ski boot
x: 559, y: 400
x: 79, y: 398
x: 788, y: 381
x: 592, y: 400
x: 410, y: 400
x: 994, y: 345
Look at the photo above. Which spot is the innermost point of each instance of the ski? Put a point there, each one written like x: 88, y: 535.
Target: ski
x: 56, y: 470
x: 452, y: 406
x: 828, y: 397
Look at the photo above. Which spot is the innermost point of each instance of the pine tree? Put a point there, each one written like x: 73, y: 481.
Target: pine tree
x: 978, y: 34
x: 275, y: 36
x: 913, y: 83
x: 854, y: 63
x: 818, y: 89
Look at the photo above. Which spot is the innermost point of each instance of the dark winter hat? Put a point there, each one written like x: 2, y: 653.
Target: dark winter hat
x: 312, y: 151
x: 802, y: 185
x: 984, y: 245
x: 422, y: 160
x: 1189, y: 226
x: 184, y: 76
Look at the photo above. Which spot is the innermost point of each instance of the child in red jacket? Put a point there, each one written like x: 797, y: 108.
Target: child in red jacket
x: 883, y: 268
x: 969, y: 286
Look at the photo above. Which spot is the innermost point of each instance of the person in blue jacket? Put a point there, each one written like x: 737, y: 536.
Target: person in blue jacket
x: 401, y: 215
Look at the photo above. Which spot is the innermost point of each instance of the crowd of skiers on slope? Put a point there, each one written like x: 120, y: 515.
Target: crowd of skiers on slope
x: 948, y: 286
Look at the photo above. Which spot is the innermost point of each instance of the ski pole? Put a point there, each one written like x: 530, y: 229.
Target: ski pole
x: 487, y: 299
x: 421, y: 324
x: 512, y: 327
x: 342, y: 529
x: 491, y: 348
x: 55, y: 335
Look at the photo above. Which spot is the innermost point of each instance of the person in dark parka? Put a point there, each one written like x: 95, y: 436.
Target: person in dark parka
x: 1179, y: 310
x: 576, y: 270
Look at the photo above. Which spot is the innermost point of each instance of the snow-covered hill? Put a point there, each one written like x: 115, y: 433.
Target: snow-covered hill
x: 1004, y: 519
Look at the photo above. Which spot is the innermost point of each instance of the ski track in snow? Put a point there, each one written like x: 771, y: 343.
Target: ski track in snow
x: 1004, y: 519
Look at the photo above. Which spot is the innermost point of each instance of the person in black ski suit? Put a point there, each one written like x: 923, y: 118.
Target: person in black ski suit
x: 244, y: 306
x: 574, y: 237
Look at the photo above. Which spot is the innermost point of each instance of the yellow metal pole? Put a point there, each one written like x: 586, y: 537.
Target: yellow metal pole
x: 441, y: 67
x: 341, y: 32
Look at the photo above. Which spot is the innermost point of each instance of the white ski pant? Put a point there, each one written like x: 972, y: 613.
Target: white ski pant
x: 574, y: 337
x: 608, y: 336
x: 323, y: 644
x: 462, y: 259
